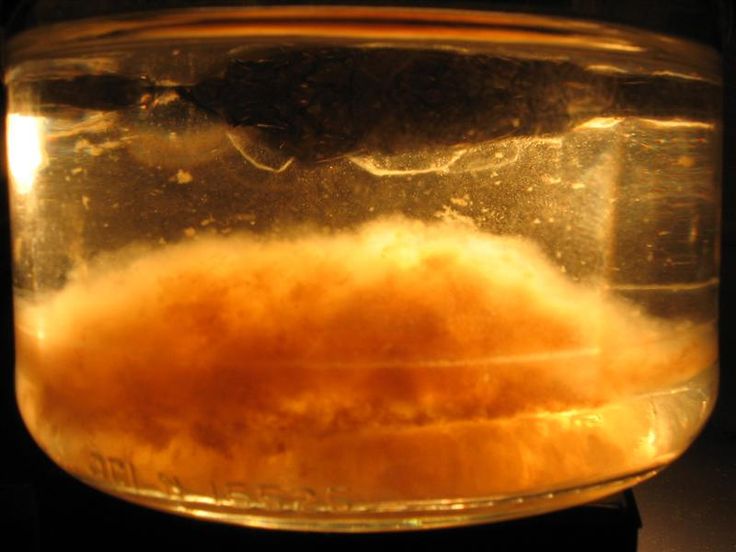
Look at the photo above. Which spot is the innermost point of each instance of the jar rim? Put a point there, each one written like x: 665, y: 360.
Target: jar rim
x: 354, y: 22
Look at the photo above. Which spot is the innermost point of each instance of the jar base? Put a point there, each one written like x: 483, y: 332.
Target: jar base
x: 387, y: 516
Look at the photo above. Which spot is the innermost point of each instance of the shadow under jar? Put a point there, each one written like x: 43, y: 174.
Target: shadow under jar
x: 361, y: 269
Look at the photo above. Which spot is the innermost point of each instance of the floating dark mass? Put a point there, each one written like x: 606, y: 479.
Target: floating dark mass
x: 316, y: 104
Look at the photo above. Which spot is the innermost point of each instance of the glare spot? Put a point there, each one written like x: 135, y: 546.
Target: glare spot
x: 26, y: 155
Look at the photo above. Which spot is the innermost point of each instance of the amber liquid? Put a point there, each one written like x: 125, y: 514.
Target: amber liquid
x: 214, y: 320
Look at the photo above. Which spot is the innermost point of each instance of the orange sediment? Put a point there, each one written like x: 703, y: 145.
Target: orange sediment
x: 398, y: 360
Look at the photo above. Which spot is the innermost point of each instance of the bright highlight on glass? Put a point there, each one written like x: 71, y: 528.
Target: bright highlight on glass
x: 25, y: 150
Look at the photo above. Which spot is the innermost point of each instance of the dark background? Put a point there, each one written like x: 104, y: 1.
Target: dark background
x: 690, y: 507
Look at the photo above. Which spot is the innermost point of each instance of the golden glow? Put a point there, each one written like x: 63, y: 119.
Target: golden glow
x: 25, y: 150
x: 400, y: 359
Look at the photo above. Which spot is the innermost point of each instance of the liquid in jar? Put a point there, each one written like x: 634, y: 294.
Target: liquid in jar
x: 363, y: 278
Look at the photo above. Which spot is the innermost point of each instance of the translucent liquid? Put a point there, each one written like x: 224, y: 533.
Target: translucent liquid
x: 386, y: 334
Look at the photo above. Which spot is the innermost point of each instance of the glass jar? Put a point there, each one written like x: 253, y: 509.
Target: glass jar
x: 361, y: 269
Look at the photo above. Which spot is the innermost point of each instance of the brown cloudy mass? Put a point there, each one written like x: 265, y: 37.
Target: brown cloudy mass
x: 402, y: 359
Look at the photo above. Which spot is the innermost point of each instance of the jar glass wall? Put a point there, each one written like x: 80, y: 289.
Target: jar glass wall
x: 362, y: 268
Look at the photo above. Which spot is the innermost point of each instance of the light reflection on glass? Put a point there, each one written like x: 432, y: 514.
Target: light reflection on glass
x: 25, y: 150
